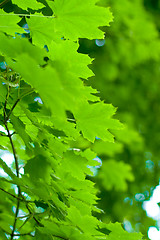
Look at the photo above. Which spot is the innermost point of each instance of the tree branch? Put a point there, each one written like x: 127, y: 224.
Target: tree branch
x: 17, y: 173
x: 17, y: 234
x: 22, y: 199
x: 38, y: 223
x: 4, y: 135
x: 11, y: 194
x: 17, y: 101
x: 14, y: 105
x: 15, y: 160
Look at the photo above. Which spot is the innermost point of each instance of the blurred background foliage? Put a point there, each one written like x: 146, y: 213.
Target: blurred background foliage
x: 127, y: 74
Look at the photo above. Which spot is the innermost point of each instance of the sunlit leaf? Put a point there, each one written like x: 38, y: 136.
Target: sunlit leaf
x: 77, y: 19
x: 28, y: 4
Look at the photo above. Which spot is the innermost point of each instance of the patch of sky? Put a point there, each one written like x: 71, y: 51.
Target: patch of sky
x: 150, y: 165
x: 21, y: 214
x: 19, y: 34
x: 154, y: 233
x: 33, y: 233
x: 8, y: 158
x: 45, y: 47
x: 94, y: 169
x: 128, y: 200
x: 100, y: 43
x: 26, y: 28
x: 26, y: 196
x: 99, y: 161
x: 97, y: 138
x: 21, y: 169
x: 2, y: 129
x: 127, y: 226
x: 3, y: 65
x: 15, y: 189
x: 7, y: 236
x: 14, y: 209
x: 38, y: 99
x: 40, y: 210
x: 139, y: 197
x: 153, y: 210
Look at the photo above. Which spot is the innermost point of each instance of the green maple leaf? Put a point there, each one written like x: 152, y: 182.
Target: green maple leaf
x: 74, y: 165
x: 42, y: 29
x: 8, y: 23
x: 75, y: 62
x: 20, y: 45
x: 28, y: 4
x: 37, y: 168
x: 115, y: 174
x: 52, y: 91
x: 3, y: 90
x: 61, y: 89
x: 107, y: 148
x: 95, y: 120
x: 87, y: 224
x: 79, y: 19
x: 118, y: 233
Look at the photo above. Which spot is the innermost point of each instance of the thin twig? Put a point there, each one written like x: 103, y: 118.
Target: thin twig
x: 15, y: 160
x: 13, y: 149
x: 60, y: 237
x: 5, y: 104
x: 14, y: 105
x: 27, y: 93
x: 16, y: 214
x: 26, y: 15
x: 17, y: 173
x: 4, y: 2
x: 38, y: 223
x: 23, y: 234
x: 17, y: 101
x: 5, y: 135
x: 17, y: 234
x: 11, y: 194
x: 22, y: 199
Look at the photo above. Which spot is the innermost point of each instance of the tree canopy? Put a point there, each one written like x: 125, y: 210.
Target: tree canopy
x: 79, y: 117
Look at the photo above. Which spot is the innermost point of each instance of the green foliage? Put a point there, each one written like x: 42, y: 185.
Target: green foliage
x: 119, y: 233
x: 28, y: 4
x: 45, y: 107
x: 113, y: 179
x: 12, y: 23
x: 55, y: 123
x: 76, y: 19
x: 127, y: 74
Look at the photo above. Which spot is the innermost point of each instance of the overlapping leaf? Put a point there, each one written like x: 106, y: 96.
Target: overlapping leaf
x: 77, y: 63
x: 118, y: 233
x: 76, y: 19
x: 28, y: 4
x: 8, y: 23
x: 42, y: 30
x: 95, y: 120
